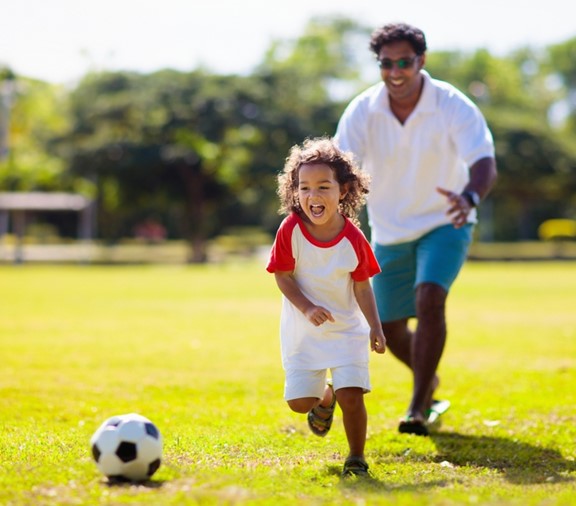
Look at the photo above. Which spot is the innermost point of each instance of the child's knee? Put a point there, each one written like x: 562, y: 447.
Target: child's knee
x: 302, y: 405
x: 350, y: 399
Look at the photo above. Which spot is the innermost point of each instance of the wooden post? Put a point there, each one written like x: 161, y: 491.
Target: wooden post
x: 19, y: 229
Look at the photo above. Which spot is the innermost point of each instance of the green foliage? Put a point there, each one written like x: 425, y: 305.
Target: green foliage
x: 537, y: 174
x: 560, y: 63
x: 561, y: 60
x: 195, y: 349
x: 200, y: 152
x: 325, y: 52
x: 492, y: 81
x: 181, y: 142
x: 37, y: 113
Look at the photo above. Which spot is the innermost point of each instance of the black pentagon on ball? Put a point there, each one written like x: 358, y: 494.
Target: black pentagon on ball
x: 126, y: 451
x: 151, y: 430
x: 96, y: 452
x: 153, y: 467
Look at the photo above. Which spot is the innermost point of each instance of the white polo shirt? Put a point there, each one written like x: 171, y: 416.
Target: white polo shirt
x: 440, y: 140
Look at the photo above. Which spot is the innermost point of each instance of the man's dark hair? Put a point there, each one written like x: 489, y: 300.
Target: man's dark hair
x: 396, y: 32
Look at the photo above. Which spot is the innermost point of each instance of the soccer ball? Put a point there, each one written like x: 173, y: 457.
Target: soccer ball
x: 127, y: 448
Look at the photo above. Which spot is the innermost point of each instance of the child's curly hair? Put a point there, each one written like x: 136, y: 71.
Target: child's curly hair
x: 347, y: 173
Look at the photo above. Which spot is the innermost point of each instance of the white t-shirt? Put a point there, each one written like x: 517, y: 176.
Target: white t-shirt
x: 445, y: 134
x: 325, y: 272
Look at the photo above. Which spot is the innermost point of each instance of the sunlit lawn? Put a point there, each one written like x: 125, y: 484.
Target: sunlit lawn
x: 196, y: 350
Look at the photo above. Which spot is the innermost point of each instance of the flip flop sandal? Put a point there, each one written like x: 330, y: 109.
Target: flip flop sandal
x: 437, y: 409
x: 410, y: 425
x: 320, y: 425
x: 355, y: 466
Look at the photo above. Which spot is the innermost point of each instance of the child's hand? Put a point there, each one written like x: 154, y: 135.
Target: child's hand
x: 317, y: 315
x: 377, y: 340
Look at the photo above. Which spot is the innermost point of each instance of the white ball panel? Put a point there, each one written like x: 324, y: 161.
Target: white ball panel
x: 150, y: 449
x: 110, y: 465
x: 107, y: 440
x: 131, y: 430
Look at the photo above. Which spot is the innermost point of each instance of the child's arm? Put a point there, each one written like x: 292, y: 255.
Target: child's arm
x: 316, y: 315
x: 365, y: 298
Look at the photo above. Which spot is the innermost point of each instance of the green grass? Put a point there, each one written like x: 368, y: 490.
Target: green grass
x: 195, y: 349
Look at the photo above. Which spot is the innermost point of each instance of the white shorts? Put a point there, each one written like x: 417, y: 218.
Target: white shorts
x: 302, y: 383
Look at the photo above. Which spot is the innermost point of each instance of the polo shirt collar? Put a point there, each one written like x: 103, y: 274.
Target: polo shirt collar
x: 427, y: 102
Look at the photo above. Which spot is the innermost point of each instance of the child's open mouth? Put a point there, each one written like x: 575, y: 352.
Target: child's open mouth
x: 316, y: 210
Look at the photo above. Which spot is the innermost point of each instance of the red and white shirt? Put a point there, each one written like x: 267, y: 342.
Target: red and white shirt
x: 325, y: 272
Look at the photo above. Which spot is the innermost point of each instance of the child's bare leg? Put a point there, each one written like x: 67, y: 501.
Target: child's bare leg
x: 355, y: 418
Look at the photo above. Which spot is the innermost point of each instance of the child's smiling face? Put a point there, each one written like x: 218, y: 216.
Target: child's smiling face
x: 319, y: 193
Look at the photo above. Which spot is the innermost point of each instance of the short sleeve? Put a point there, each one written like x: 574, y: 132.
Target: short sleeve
x: 281, y: 256
x: 367, y: 263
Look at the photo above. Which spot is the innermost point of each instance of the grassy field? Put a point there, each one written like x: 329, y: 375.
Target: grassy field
x: 195, y: 349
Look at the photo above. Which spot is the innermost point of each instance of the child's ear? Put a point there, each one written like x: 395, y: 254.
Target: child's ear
x: 343, y: 191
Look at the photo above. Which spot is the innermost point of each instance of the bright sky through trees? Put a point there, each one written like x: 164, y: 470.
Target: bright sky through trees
x: 60, y: 40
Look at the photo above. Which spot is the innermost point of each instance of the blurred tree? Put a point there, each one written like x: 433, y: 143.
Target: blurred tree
x: 537, y: 179
x: 33, y: 112
x: 560, y: 68
x: 172, y: 141
x: 201, y: 151
x: 304, y: 84
x: 505, y: 83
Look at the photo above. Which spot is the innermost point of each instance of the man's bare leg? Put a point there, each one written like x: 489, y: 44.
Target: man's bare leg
x: 428, y: 344
x: 423, y: 348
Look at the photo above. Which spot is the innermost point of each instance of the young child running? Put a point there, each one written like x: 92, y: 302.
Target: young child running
x: 323, y: 263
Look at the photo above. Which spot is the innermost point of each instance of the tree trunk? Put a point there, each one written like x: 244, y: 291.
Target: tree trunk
x: 195, y: 213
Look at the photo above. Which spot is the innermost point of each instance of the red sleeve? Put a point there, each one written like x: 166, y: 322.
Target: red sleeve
x: 367, y: 263
x: 281, y: 257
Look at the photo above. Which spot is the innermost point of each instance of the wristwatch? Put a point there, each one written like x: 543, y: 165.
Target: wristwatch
x: 472, y: 197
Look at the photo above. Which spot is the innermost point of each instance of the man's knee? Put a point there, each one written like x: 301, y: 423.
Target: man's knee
x: 430, y: 299
x: 396, y: 330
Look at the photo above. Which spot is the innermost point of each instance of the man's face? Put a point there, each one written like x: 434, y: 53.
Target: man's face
x: 399, y: 68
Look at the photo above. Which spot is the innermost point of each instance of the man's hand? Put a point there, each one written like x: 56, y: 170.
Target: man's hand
x: 459, y: 207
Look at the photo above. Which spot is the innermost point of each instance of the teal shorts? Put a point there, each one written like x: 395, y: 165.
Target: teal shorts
x: 436, y: 257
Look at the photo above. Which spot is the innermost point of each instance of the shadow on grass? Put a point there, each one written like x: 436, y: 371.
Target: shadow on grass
x: 372, y: 484
x: 519, y: 462
x: 124, y: 483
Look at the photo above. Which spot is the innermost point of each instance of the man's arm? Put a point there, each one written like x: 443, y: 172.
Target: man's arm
x: 483, y: 176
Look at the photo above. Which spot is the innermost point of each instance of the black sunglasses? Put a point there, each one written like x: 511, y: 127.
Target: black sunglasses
x: 401, y: 63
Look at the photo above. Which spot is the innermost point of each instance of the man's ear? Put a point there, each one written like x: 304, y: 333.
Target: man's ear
x: 422, y: 60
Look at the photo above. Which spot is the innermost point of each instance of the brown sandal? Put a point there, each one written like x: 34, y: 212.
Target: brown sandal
x: 355, y: 466
x: 320, y: 425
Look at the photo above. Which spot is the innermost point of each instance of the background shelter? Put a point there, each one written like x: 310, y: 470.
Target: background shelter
x: 15, y: 206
